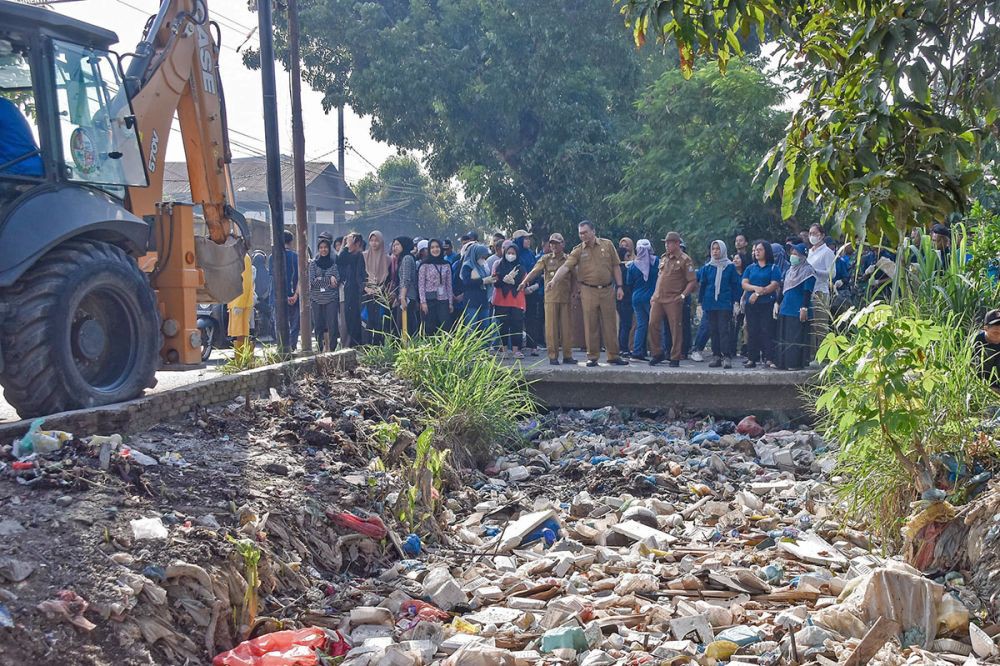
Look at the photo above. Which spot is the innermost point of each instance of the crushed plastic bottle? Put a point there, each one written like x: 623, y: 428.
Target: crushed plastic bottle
x: 40, y: 441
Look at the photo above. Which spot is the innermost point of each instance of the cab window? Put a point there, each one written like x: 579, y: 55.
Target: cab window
x: 97, y: 128
x: 19, y: 154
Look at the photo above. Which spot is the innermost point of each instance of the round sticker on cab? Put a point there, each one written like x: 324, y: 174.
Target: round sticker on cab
x: 84, y: 151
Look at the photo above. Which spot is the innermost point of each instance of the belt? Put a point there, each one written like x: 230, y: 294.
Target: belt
x: 594, y: 286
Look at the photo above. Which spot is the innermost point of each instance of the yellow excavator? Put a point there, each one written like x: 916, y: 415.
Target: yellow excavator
x: 99, y: 277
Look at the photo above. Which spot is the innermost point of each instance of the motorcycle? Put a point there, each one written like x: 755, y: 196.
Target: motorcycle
x: 212, y: 322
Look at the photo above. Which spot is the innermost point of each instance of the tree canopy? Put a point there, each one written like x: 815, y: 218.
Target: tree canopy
x: 695, y: 154
x: 900, y: 95
x: 525, y: 102
x: 400, y: 195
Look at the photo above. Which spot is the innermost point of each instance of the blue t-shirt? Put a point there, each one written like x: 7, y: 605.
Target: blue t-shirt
x: 474, y: 290
x: 16, y: 140
x: 642, y: 290
x: 729, y: 289
x: 291, y: 271
x: 794, y: 299
x: 761, y: 277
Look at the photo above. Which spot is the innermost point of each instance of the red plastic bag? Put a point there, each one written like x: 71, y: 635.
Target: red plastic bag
x: 423, y: 611
x: 283, y: 648
x: 371, y: 527
x: 749, y: 427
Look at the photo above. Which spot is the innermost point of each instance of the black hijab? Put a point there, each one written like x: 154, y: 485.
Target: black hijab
x: 431, y: 259
x: 407, y: 244
x: 504, y: 267
x: 327, y: 261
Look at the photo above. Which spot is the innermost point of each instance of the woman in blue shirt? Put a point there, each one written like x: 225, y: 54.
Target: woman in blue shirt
x: 793, y: 315
x: 761, y: 281
x: 475, y: 279
x: 641, y: 277
x: 719, y: 294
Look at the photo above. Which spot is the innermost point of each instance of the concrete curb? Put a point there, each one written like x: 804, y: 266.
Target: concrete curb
x: 142, y: 413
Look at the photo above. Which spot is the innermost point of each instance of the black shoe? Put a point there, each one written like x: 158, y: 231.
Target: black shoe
x: 675, y: 364
x: 591, y: 364
x: 570, y: 361
x: 553, y: 361
x: 658, y: 359
x: 618, y: 361
x: 642, y: 357
x: 716, y: 363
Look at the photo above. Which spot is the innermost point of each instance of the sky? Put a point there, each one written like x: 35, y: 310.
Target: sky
x: 242, y: 86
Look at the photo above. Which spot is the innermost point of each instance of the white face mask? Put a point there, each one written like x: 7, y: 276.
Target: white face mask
x: 511, y: 257
x: 815, y: 239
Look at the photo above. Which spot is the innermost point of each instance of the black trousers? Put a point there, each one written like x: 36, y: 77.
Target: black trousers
x: 324, y: 320
x: 761, y: 330
x: 352, y: 320
x: 511, y: 322
x: 534, y: 320
x: 793, y: 343
x: 720, y: 326
x: 378, y: 321
x: 436, y: 317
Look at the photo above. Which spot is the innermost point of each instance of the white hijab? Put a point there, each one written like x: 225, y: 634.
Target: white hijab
x: 720, y: 265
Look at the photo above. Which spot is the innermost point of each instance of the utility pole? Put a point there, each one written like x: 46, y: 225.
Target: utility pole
x: 339, y: 214
x: 272, y: 149
x: 299, y: 166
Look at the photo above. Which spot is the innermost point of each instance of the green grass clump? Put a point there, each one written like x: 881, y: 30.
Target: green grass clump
x: 473, y: 400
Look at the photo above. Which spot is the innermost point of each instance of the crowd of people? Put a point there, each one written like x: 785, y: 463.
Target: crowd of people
x: 767, y: 302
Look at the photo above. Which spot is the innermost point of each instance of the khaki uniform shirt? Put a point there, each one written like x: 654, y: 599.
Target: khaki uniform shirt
x: 595, y: 264
x: 676, y: 273
x: 547, y: 265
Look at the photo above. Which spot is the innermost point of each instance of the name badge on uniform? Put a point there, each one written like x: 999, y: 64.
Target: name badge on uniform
x: 584, y: 254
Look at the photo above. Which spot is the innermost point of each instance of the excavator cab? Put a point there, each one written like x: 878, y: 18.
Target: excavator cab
x: 81, y: 205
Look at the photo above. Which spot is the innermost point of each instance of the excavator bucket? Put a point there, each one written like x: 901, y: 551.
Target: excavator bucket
x: 222, y: 266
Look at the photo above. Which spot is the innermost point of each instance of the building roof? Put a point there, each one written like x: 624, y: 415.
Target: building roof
x: 250, y: 183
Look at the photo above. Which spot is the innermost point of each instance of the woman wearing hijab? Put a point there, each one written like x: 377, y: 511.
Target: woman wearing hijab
x: 324, y: 293
x: 403, y: 279
x: 508, y: 299
x: 376, y: 291
x: 626, y: 317
x: 780, y: 259
x: 761, y: 282
x: 434, y: 287
x: 793, y: 314
x: 534, y: 299
x: 719, y: 296
x: 626, y: 244
x: 476, y: 280
x: 641, y: 279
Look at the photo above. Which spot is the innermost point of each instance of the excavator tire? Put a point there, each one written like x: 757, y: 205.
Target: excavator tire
x: 82, y: 330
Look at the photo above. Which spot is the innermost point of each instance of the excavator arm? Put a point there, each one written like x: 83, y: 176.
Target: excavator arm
x: 174, y: 70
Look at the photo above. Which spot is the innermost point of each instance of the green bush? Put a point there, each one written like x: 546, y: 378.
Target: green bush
x: 474, y: 401
x: 898, y: 389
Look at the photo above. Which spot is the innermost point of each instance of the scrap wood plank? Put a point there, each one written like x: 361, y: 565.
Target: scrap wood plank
x: 872, y: 642
x: 788, y: 596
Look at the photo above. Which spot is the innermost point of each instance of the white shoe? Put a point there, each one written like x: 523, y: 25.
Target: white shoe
x: 697, y: 357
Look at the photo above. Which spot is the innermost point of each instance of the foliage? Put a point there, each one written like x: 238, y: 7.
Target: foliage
x: 695, y: 155
x: 385, y: 434
x: 898, y: 389
x: 900, y: 94
x: 401, y: 195
x: 525, y: 102
x: 984, y: 245
x: 419, y: 502
x: 245, y: 358
x: 250, y: 554
x: 474, y: 400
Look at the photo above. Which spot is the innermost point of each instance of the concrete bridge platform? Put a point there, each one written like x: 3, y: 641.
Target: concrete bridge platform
x: 693, y: 387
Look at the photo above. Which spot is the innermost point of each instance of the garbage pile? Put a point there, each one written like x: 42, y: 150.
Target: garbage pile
x: 276, y: 537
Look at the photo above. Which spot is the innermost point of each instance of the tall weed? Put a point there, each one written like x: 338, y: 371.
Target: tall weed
x: 474, y: 400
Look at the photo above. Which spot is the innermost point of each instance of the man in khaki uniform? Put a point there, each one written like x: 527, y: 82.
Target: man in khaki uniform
x: 600, y: 279
x: 676, y: 280
x: 558, y: 324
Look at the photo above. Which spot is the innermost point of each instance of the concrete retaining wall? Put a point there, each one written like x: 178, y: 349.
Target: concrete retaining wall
x: 723, y: 393
x: 144, y: 412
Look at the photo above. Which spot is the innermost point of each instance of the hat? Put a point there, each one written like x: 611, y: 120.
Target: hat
x: 800, y: 248
x: 941, y: 230
x: 673, y: 236
x: 521, y: 233
x: 992, y: 318
x: 422, y: 245
x: 556, y: 238
x: 469, y: 235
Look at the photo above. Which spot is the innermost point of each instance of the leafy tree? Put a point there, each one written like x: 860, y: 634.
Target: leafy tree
x: 695, y: 154
x: 401, y: 195
x: 525, y: 102
x: 899, y: 96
